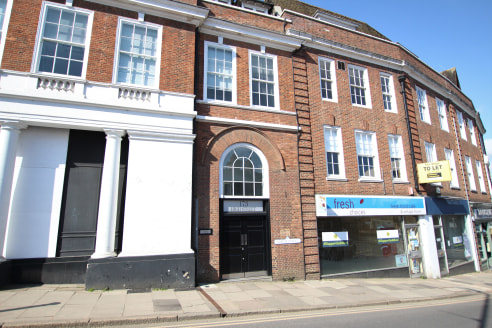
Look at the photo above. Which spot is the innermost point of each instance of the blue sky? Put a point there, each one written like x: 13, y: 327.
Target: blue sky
x: 442, y: 33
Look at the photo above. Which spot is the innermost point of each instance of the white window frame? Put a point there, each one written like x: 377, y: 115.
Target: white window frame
x: 334, y: 146
x: 326, y: 64
x: 39, y: 38
x: 4, y: 26
x: 275, y: 80
x: 121, y: 21
x: 481, y: 181
x: 471, y: 175
x: 234, y: 72
x: 430, y: 152
x: 396, y: 142
x: 258, y: 9
x: 364, y: 85
x: 449, y: 154
x: 441, y: 111
x: 423, y: 105
x: 390, y: 92
x: 461, y: 123
x: 359, y: 135
x: 265, y: 171
x: 473, y: 135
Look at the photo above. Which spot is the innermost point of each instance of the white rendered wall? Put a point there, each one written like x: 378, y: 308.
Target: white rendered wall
x: 158, y: 196
x: 430, y: 257
x: 37, y: 189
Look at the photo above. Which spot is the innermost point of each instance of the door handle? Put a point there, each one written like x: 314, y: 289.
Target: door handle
x: 244, y: 239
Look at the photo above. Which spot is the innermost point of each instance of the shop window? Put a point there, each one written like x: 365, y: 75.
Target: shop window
x: 64, y: 35
x: 328, y: 79
x: 458, y: 245
x: 243, y: 172
x: 441, y: 110
x: 138, y: 53
x: 334, y: 152
x: 220, y: 73
x: 352, y: 244
x: 423, y: 106
x: 452, y: 164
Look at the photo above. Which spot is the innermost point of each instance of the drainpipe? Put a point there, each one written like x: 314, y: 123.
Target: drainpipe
x: 402, y: 79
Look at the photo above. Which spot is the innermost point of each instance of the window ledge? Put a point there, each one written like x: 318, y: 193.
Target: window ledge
x: 455, y: 188
x: 484, y: 193
x: 371, y: 180
x: 362, y: 106
x: 400, y: 182
x: 330, y: 100
x: 336, y: 179
x: 261, y: 109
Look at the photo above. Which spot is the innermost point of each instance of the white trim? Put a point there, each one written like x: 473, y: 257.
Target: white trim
x: 249, y: 34
x: 173, y: 10
x: 473, y: 135
x: 481, y: 182
x: 157, y: 74
x: 470, y: 174
x: 461, y: 123
x: 6, y: 21
x: 260, y: 109
x: 331, y: 64
x: 449, y: 155
x: 265, y: 172
x: 40, y: 30
x: 219, y: 120
x: 219, y: 45
x: 247, y: 10
x: 276, y: 81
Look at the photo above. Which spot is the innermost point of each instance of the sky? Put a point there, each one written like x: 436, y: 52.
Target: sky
x: 442, y: 33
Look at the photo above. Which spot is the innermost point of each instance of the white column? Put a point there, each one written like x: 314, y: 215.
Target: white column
x: 9, y: 137
x: 108, y: 199
x: 430, y: 257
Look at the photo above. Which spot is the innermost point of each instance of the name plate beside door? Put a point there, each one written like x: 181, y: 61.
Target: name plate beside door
x: 241, y: 206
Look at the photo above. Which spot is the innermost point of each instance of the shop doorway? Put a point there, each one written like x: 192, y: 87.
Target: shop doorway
x: 244, y: 246
x: 412, y: 235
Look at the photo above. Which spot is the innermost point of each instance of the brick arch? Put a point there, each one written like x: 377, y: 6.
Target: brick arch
x: 230, y: 136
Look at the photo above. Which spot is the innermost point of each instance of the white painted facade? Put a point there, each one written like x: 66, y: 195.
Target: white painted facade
x: 160, y: 129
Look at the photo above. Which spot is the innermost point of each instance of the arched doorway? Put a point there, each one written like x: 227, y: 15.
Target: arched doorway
x: 244, y: 222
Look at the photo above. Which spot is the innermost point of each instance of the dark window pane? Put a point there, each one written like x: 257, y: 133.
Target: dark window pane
x: 61, y: 66
x: 46, y: 64
x: 228, y: 188
x: 48, y: 48
x: 238, y: 189
x: 248, y: 188
x: 75, y: 68
x: 63, y: 51
x: 77, y: 53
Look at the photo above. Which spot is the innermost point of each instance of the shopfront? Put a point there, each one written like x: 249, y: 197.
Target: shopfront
x: 369, y: 236
x: 453, y: 233
x: 483, y: 230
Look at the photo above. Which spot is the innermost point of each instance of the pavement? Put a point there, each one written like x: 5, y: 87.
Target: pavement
x: 73, y: 306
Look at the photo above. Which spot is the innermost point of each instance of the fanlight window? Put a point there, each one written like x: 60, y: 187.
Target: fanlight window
x: 242, y: 173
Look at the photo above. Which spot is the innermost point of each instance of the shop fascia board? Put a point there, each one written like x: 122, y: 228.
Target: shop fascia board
x: 249, y: 34
x: 173, y: 10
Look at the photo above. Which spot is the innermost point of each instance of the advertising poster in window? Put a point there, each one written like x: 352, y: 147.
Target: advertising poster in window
x: 388, y: 236
x: 335, y: 239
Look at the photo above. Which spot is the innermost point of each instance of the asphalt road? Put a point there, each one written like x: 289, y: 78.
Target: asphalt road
x: 466, y: 312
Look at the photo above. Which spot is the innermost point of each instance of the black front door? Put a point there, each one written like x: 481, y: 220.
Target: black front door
x: 244, y: 246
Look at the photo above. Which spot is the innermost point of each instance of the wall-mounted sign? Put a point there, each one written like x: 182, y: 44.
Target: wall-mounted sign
x: 343, y: 205
x: 241, y: 206
x: 287, y: 241
x: 335, y: 239
x: 434, y: 172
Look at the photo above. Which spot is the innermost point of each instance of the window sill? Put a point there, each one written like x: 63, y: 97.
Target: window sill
x: 330, y: 100
x: 400, y: 182
x: 371, y: 180
x: 455, y: 188
x: 336, y: 179
x: 361, y: 106
x: 484, y: 193
x: 391, y: 111
x: 231, y: 105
